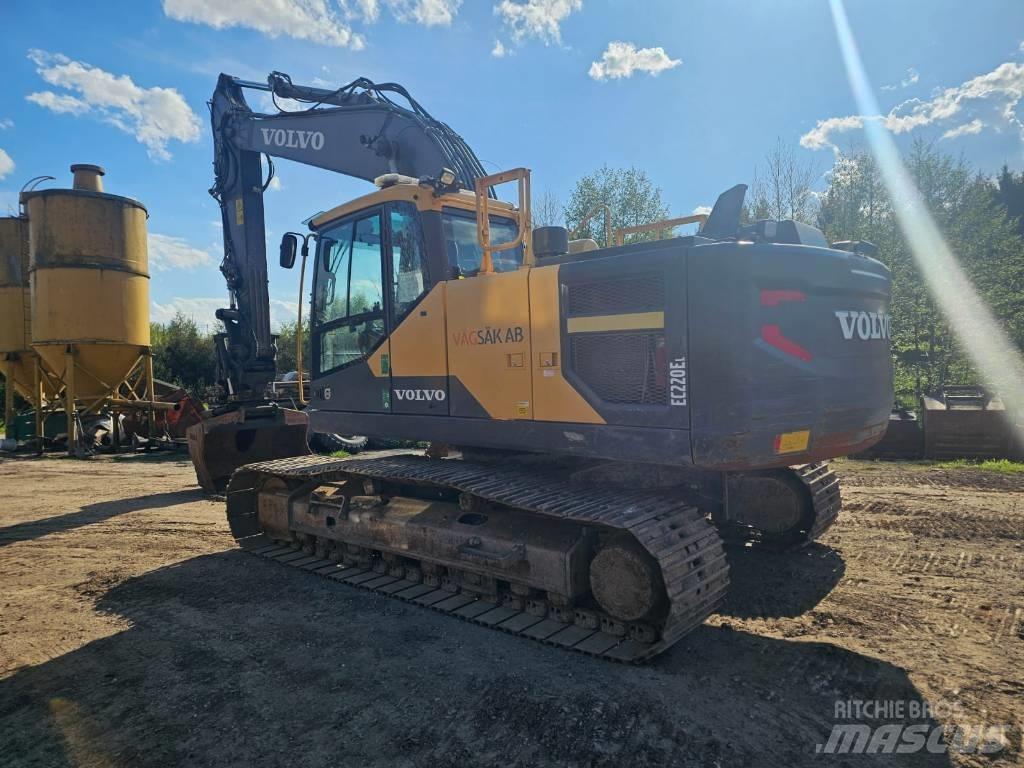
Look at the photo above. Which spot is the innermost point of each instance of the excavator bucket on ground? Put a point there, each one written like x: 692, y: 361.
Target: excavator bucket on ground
x: 220, y: 444
x: 966, y: 421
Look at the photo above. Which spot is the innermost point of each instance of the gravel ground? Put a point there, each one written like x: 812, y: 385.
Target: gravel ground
x: 134, y: 633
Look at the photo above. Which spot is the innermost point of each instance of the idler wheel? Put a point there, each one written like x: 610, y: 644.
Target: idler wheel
x: 774, y: 503
x: 626, y: 581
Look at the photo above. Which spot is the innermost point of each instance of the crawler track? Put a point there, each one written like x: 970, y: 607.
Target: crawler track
x: 822, y: 501
x: 823, y: 485
x: 686, y: 547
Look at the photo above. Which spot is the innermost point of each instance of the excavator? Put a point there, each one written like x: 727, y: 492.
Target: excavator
x: 600, y: 420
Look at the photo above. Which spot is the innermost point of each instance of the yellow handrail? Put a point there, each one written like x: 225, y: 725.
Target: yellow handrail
x: 298, y: 328
x: 607, y: 222
x: 621, y: 232
x: 522, y: 216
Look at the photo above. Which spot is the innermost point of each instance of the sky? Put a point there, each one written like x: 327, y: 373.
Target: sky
x: 694, y: 92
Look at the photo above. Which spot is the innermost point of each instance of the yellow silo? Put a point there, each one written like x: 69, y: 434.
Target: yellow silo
x: 17, y: 361
x: 89, y: 273
x: 15, y: 341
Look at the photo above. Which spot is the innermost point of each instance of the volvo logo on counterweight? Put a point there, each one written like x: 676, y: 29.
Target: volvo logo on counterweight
x: 286, y: 137
x: 865, y: 325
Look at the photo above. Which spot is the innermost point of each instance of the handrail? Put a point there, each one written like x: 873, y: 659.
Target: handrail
x: 298, y: 325
x: 621, y: 232
x: 522, y: 216
x: 607, y: 222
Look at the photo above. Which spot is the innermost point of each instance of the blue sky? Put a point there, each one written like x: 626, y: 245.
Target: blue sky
x: 695, y: 93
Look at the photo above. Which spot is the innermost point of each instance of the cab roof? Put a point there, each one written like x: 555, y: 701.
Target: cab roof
x: 423, y: 196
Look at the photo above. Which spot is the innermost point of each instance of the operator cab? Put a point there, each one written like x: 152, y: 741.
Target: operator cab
x: 377, y: 258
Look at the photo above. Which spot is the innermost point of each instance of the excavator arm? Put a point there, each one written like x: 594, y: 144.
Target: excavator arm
x: 359, y: 130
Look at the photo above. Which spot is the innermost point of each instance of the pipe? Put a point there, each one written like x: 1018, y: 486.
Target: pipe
x: 88, y: 178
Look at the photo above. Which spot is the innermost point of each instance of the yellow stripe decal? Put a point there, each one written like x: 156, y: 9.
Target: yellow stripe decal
x: 629, y: 322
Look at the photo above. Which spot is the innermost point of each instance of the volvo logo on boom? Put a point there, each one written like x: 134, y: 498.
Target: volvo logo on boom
x: 286, y: 137
x: 865, y: 325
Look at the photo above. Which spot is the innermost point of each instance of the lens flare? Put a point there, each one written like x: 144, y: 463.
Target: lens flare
x: 994, y: 357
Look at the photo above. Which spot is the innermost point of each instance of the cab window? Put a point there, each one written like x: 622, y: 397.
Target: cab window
x: 350, y: 295
x: 409, y: 279
x: 465, y: 253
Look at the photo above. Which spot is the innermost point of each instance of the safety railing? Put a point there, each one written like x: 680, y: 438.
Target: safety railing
x: 654, y: 226
x: 582, y: 226
x: 521, y: 215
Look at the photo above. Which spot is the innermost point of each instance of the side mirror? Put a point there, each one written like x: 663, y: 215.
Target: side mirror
x: 289, y: 247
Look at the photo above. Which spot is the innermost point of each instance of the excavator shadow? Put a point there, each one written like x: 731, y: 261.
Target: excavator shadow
x: 230, y: 660
x: 766, y: 584
x: 95, y: 513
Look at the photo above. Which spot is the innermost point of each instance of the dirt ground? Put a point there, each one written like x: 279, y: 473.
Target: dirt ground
x: 134, y: 633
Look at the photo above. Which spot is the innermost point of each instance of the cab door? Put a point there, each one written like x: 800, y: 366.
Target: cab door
x: 418, y: 347
x: 349, y: 334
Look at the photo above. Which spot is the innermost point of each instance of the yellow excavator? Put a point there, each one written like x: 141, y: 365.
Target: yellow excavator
x: 600, y: 420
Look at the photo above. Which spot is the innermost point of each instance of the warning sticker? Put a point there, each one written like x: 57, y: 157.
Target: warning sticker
x: 791, y: 442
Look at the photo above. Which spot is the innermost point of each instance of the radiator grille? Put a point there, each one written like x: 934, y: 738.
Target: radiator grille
x: 639, y: 293
x: 624, y: 368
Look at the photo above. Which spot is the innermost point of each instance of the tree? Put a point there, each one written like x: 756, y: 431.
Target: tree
x: 286, y: 347
x: 782, y: 188
x: 629, y: 193
x: 1010, y: 194
x: 990, y: 250
x: 182, y: 355
x: 546, y: 211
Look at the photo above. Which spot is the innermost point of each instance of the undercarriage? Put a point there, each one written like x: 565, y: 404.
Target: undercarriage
x: 618, y: 561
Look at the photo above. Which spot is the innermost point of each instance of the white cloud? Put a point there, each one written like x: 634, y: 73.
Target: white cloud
x: 820, y: 136
x: 155, y: 116
x: 702, y: 209
x: 369, y: 10
x: 6, y: 124
x: 59, y: 103
x: 911, y: 78
x: 174, y: 254
x: 967, y: 129
x: 275, y: 181
x: 313, y: 20
x: 202, y: 309
x: 429, y: 13
x: 541, y: 19
x: 623, y: 59
x: 6, y: 164
x: 270, y: 104
x: 499, y: 50
x: 995, y: 95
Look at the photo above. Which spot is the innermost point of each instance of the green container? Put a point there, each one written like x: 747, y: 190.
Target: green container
x: 24, y: 425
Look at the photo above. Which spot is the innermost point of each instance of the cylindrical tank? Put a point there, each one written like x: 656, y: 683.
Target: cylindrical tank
x: 16, y: 356
x: 89, y: 271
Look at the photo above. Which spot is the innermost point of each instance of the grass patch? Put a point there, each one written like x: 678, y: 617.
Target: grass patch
x: 1004, y: 466
x: 339, y: 454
